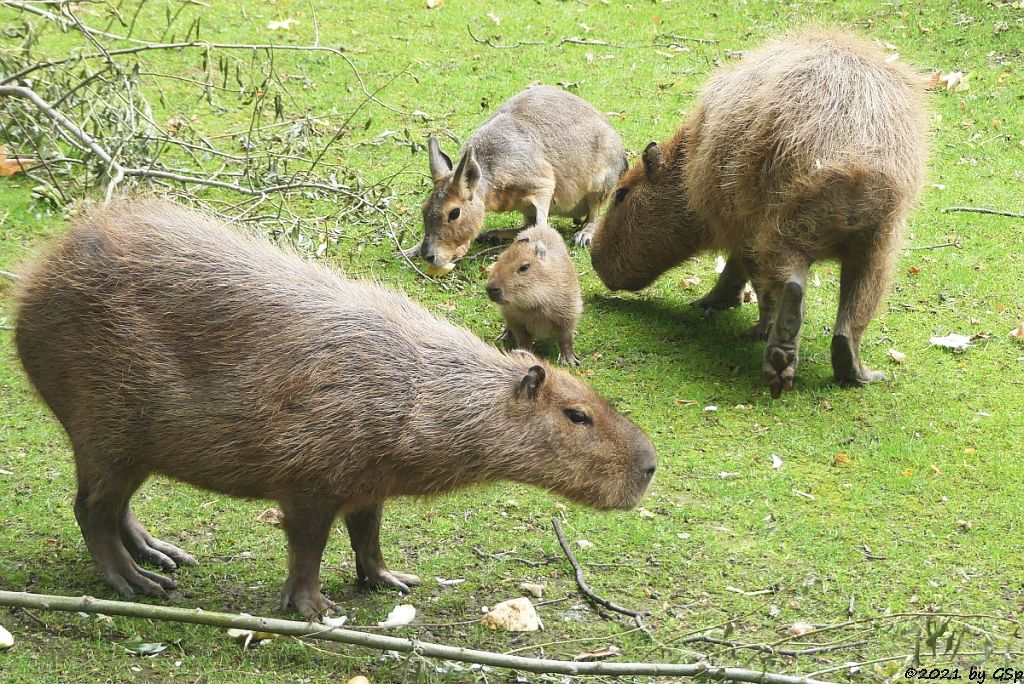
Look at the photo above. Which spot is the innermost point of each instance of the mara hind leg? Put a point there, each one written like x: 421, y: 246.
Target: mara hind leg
x: 536, y: 206
x: 364, y: 533
x: 863, y: 282
x: 307, y: 525
x: 145, y: 548
x: 785, y: 287
x: 585, y: 235
x: 101, y: 507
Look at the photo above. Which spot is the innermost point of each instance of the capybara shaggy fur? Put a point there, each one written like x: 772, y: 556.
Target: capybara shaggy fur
x: 167, y: 343
x: 813, y: 147
x: 534, y: 284
x: 544, y: 152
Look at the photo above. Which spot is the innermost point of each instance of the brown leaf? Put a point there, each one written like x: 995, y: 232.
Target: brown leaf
x: 9, y: 167
x: 689, y: 282
x: 800, y: 628
x: 609, y: 651
x: 271, y: 516
x: 841, y: 459
x: 897, y: 356
x: 913, y: 270
x: 935, y: 469
x: 1017, y: 333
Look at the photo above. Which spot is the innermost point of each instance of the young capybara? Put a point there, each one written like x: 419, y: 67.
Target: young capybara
x: 544, y: 151
x: 167, y: 343
x: 534, y: 284
x: 813, y: 147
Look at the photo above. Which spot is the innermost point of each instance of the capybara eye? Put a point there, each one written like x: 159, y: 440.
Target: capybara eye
x: 454, y: 214
x: 524, y: 268
x: 620, y: 195
x: 578, y: 417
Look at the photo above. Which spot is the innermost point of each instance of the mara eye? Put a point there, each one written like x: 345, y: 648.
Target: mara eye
x: 578, y: 417
x: 620, y: 195
x: 524, y: 268
x: 454, y: 214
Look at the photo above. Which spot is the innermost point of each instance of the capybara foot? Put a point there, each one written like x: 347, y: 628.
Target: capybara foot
x: 145, y: 548
x: 310, y: 604
x: 568, y: 359
x: 717, y: 301
x: 384, y: 578
x: 757, y: 332
x: 130, y: 580
x: 506, y: 337
x: 779, y: 368
x: 847, y: 370
x: 584, y: 237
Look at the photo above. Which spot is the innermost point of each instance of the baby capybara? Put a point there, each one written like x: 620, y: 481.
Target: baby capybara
x: 813, y: 147
x: 167, y: 343
x: 534, y: 284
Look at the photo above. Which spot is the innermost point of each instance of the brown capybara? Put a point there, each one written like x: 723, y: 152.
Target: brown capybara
x: 534, y: 284
x: 813, y: 147
x: 167, y: 343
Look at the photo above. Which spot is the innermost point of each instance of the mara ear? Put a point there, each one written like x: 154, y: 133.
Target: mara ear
x: 652, y: 159
x: 467, y: 174
x: 542, y: 250
x: 531, y: 382
x: 440, y: 163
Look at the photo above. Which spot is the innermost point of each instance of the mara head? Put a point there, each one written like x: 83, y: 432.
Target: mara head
x: 454, y: 213
x: 582, y: 448
x: 524, y: 271
x: 649, y: 224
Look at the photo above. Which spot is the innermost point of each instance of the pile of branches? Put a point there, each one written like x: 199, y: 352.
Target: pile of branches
x: 87, y: 120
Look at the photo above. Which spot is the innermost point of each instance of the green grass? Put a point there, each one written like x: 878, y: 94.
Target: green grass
x: 938, y: 446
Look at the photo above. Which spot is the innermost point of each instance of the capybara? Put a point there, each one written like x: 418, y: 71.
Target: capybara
x: 543, y: 152
x: 534, y: 284
x: 167, y: 343
x: 813, y: 147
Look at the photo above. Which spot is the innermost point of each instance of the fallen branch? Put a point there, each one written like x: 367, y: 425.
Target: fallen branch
x: 938, y: 246
x: 294, y: 628
x: 638, y: 616
x: 765, y: 648
x: 979, y: 210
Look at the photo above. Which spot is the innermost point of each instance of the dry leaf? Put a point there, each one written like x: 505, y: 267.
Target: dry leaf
x: 689, y: 282
x: 907, y: 473
x: 434, y: 4
x: 535, y: 590
x: 952, y: 341
x: 284, y: 24
x: 776, y: 462
x: 1017, y: 333
x: 9, y: 167
x: 174, y: 124
x: 897, y: 356
x: 514, y: 615
x: 800, y: 628
x: 399, y: 616
x: 6, y: 639
x: 841, y: 459
x: 609, y: 651
x: 913, y: 270
x: 970, y: 451
x: 358, y: 679
x: 935, y: 469
x: 494, y: 17
x: 442, y: 582
x: 964, y: 525
x: 271, y: 516
x: 331, y: 621
x: 644, y: 513
x: 250, y: 637
x: 584, y: 544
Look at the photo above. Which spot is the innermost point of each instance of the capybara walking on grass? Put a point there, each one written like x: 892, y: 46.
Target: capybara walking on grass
x: 813, y: 147
x: 167, y: 343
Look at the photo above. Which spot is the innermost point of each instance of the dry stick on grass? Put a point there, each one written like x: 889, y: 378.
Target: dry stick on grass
x: 8, y: 274
x: 298, y: 629
x: 979, y: 210
x: 638, y: 616
x: 765, y: 648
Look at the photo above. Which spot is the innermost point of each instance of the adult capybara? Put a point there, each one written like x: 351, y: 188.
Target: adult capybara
x: 813, y: 147
x: 534, y: 284
x: 167, y: 343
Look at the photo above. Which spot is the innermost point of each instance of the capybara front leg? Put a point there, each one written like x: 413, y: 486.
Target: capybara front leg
x: 364, y: 533
x: 145, y: 548
x: 585, y: 235
x: 863, y: 282
x: 307, y: 524
x: 522, y: 336
x: 728, y: 290
x: 566, y: 354
x: 782, y: 351
x: 99, y: 511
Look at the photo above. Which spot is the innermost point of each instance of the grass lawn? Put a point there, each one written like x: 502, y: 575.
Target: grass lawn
x: 892, y: 502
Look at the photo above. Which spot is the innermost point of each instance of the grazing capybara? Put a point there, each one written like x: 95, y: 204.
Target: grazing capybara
x: 534, y: 284
x: 167, y: 343
x: 543, y: 152
x: 813, y: 147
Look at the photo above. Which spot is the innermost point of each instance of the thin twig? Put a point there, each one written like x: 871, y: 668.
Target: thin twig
x: 489, y: 42
x: 765, y: 648
x: 979, y: 210
x: 638, y: 616
x: 306, y: 629
x: 955, y: 243
x: 8, y: 274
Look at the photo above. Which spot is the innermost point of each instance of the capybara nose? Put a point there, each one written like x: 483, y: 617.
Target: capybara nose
x: 647, y: 461
x: 494, y: 292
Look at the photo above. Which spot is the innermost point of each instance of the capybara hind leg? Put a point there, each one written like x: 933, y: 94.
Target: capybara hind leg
x: 728, y: 290
x: 863, y: 282
x: 522, y: 336
x: 364, y: 533
x: 99, y: 512
x: 145, y: 548
x: 782, y: 351
x: 307, y: 526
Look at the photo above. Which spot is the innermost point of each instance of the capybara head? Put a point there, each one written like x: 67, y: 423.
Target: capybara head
x: 648, y: 225
x: 525, y: 272
x: 588, y: 451
x: 454, y: 213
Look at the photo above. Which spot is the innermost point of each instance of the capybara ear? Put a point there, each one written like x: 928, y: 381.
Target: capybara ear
x: 652, y: 159
x: 467, y: 174
x: 440, y: 163
x: 542, y: 250
x: 531, y: 382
